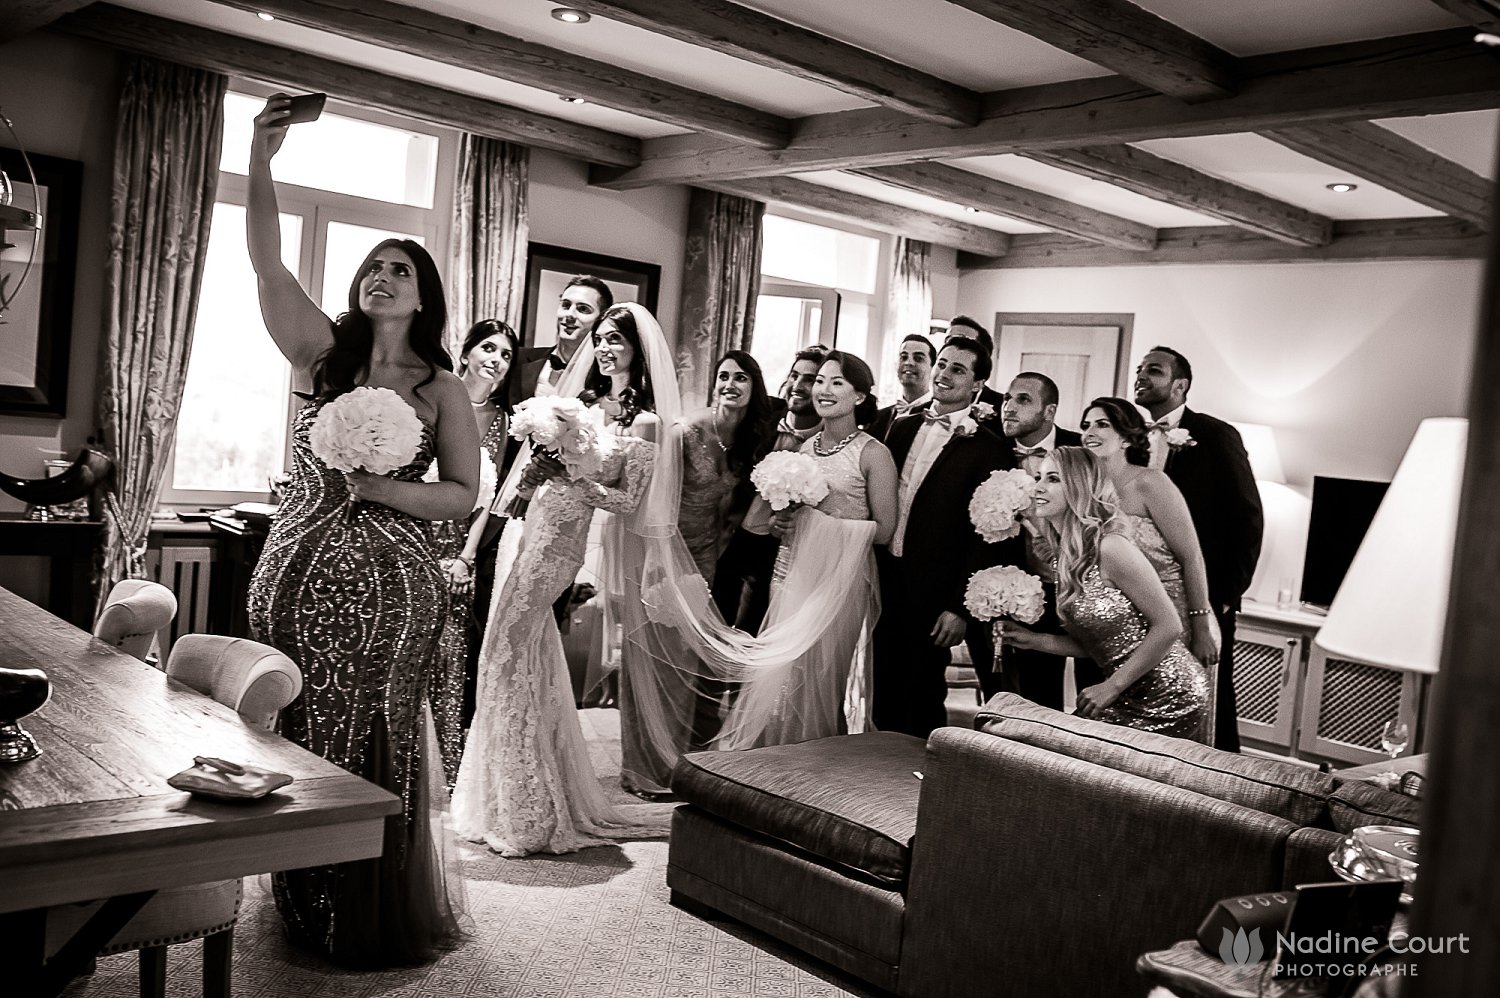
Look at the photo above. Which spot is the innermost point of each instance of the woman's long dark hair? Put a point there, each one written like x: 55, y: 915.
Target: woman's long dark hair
x: 478, y: 333
x: 1127, y: 421
x: 756, y: 434
x: 343, y: 364
x: 858, y: 374
x: 636, y: 398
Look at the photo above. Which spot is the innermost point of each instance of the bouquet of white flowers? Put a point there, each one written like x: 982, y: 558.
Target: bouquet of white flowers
x: 367, y: 429
x: 1004, y: 591
x: 564, y: 429
x: 998, y: 502
x: 785, y: 477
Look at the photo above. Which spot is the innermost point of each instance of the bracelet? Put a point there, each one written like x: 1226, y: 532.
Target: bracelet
x: 1199, y: 613
x: 466, y: 562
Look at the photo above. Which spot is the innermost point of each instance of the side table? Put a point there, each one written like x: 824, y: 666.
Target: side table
x: 71, y: 545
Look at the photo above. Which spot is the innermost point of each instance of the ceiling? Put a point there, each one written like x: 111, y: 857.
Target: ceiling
x: 948, y: 41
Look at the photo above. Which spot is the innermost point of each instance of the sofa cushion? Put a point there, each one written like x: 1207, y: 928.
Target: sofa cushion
x: 1288, y: 791
x: 1354, y: 804
x: 849, y: 800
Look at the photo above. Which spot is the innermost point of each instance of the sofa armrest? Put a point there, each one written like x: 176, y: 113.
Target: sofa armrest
x: 1307, y: 856
x: 1053, y: 874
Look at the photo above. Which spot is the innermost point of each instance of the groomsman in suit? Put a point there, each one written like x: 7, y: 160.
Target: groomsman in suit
x: 1028, y: 418
x: 1212, y: 470
x: 914, y: 373
x: 943, y: 454
x: 963, y: 325
x: 579, y: 308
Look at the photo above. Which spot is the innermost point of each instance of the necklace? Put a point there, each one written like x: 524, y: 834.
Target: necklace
x: 818, y: 444
x: 481, y: 405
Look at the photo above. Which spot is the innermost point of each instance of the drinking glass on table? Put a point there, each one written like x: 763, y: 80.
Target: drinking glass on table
x: 1393, y: 738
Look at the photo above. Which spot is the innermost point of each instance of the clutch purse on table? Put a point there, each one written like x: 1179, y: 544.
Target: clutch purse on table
x: 225, y: 780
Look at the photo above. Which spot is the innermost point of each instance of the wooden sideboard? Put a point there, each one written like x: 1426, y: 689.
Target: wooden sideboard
x: 70, y: 546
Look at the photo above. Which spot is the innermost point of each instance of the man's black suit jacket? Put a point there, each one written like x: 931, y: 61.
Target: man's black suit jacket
x: 1064, y: 438
x: 1214, y: 477
x: 940, y: 546
x: 532, y: 361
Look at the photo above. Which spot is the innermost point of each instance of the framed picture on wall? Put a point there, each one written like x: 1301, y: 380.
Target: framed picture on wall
x: 36, y: 328
x: 548, y: 270
x: 1085, y: 353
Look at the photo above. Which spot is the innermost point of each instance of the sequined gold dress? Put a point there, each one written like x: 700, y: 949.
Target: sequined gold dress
x: 526, y: 784
x: 1171, y: 698
x: 706, y: 493
x: 356, y: 601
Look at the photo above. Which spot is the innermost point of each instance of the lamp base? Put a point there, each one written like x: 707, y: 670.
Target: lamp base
x: 16, y: 743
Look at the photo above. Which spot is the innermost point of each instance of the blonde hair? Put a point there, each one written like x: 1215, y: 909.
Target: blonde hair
x: 1092, y: 512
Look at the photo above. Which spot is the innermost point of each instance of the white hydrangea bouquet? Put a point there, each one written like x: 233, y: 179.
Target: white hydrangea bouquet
x: 998, y: 503
x: 367, y: 429
x: 564, y: 429
x: 787, y: 477
x: 994, y: 594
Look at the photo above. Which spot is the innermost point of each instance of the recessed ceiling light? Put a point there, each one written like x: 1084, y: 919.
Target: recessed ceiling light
x: 1342, y: 188
x: 971, y: 209
x: 264, y: 16
x: 571, y: 100
x: 570, y: 15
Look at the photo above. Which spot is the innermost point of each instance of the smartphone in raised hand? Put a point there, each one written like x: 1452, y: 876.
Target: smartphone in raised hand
x: 304, y: 108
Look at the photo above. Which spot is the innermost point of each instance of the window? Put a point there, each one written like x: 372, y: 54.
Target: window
x: 819, y: 284
x: 344, y: 182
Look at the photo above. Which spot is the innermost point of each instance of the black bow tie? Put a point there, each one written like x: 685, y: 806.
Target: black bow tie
x: 1030, y: 451
x: 555, y: 362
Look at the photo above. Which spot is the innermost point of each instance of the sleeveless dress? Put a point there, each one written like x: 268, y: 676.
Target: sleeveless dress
x: 706, y: 493
x: 354, y: 597
x: 825, y: 691
x: 1147, y: 537
x: 526, y: 784
x: 1171, y: 698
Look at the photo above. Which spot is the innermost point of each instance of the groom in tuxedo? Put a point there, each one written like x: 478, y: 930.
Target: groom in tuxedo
x: 943, y: 454
x: 581, y: 305
x: 1208, y: 463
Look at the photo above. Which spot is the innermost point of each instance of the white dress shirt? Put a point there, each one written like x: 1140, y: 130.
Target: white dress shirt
x: 1158, y: 436
x: 929, y: 443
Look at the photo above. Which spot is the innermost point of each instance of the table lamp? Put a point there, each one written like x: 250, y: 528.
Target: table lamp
x: 1390, y: 609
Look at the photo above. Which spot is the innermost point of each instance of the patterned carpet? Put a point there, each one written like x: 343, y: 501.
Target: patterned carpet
x: 595, y: 924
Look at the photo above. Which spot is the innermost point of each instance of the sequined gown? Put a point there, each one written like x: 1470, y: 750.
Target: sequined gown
x: 1169, y: 699
x: 706, y: 493
x: 825, y: 691
x: 356, y: 600
x: 526, y: 784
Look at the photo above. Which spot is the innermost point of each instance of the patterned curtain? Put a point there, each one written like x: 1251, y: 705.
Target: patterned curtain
x: 720, y: 282
x: 487, y: 269
x: 910, y: 308
x: 166, y: 172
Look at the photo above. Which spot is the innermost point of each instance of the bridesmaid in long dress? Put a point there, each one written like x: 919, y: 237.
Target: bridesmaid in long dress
x: 1113, y: 606
x: 353, y: 594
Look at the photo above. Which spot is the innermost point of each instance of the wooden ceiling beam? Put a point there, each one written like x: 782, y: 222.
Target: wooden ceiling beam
x: 453, y: 42
x: 882, y: 215
x: 1124, y: 38
x: 298, y: 71
x: 25, y: 16
x: 1480, y: 13
x: 748, y: 34
x: 1154, y: 177
x: 987, y: 194
x: 1431, y: 73
x: 1364, y: 239
x: 1398, y: 164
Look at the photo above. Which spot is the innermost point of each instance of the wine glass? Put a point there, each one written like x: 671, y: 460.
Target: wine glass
x: 1393, y: 738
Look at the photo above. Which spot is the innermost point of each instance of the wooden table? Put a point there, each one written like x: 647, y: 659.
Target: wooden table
x: 93, y: 817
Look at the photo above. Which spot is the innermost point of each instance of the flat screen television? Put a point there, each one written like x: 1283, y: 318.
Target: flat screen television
x: 1342, y: 509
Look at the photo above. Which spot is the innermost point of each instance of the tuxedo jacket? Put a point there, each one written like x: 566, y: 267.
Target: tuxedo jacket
x: 940, y: 546
x: 880, y: 426
x: 533, y: 361
x: 1214, y: 477
x: 1064, y: 438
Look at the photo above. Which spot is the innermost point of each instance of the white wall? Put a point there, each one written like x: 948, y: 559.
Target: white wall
x: 649, y: 225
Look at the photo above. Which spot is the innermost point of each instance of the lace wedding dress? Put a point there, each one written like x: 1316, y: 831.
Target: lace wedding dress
x: 526, y: 784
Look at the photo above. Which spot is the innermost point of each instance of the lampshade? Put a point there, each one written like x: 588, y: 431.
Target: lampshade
x: 1392, y: 604
x: 1265, y: 459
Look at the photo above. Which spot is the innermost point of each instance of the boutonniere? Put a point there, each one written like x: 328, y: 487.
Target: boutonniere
x: 966, y: 427
x: 1178, y: 438
x: 982, y: 410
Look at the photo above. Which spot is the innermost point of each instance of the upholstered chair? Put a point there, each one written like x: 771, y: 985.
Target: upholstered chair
x: 257, y: 681
x: 135, y: 611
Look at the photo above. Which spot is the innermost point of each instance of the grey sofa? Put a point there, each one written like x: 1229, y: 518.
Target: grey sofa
x: 1039, y: 854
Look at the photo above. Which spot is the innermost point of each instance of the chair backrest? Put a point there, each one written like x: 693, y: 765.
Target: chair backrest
x: 254, y: 679
x: 135, y: 611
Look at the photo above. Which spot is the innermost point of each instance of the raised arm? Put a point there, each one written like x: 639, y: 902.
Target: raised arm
x: 299, y: 328
x: 1123, y: 566
x: 1169, y: 511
